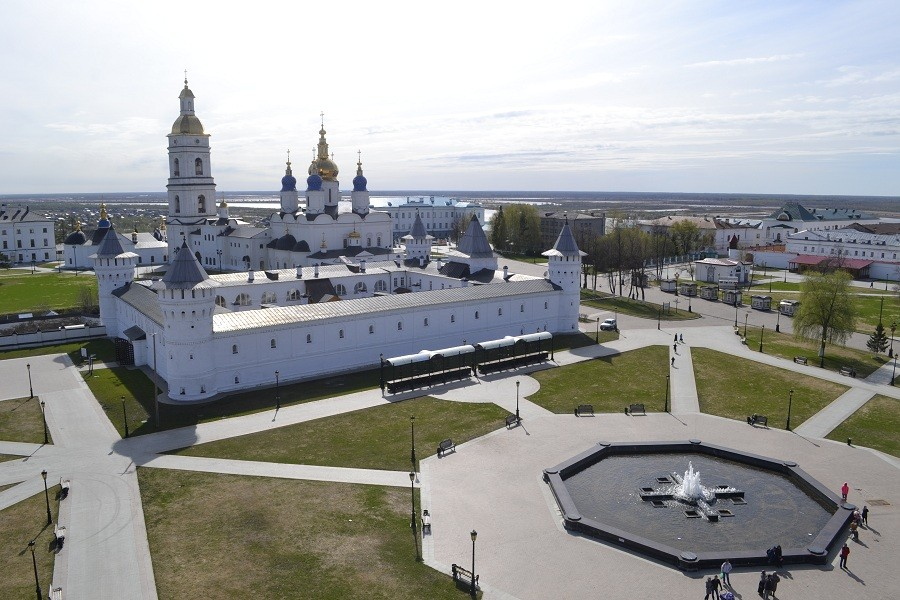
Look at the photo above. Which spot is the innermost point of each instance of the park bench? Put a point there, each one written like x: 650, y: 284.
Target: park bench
x: 584, y: 409
x: 461, y: 575
x: 64, y: 485
x: 800, y: 360
x: 59, y: 531
x: 635, y: 409
x: 511, y: 420
x: 426, y: 522
x: 755, y: 419
x: 445, y: 446
x: 848, y: 371
x: 55, y: 594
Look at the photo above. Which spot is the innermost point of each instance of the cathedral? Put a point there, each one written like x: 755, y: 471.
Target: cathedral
x: 287, y: 311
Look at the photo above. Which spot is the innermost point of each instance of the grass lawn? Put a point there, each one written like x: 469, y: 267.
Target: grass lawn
x: 787, y: 346
x: 255, y: 537
x: 610, y: 383
x: 537, y: 260
x: 375, y: 438
x: 638, y: 308
x: 869, y: 307
x: 109, y: 385
x: 21, y: 421
x: 874, y: 425
x: 6, y: 457
x: 735, y: 388
x: 102, y: 348
x: 19, y: 524
x: 23, y: 292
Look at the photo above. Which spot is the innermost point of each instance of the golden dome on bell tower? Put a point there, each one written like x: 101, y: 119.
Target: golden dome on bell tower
x: 323, y: 164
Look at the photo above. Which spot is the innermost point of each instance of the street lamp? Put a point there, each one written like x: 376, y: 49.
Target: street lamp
x: 761, y: 334
x: 44, y: 417
x: 667, y: 394
x: 30, y: 389
x: 518, y: 419
x: 735, y: 312
x: 412, y: 443
x: 219, y: 252
x: 894, y: 373
x: 47, y: 497
x: 597, y: 338
x: 790, y: 401
x: 658, y: 318
x: 32, y: 266
x: 277, y: 395
x: 893, y: 327
x: 124, y: 416
x: 37, y: 584
x: 474, y: 535
x: 778, y: 321
x: 155, y: 388
x: 745, y: 324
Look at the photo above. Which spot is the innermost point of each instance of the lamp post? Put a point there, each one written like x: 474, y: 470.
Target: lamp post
x: 735, y: 311
x: 124, y: 416
x: 790, y: 401
x: 822, y: 352
x: 412, y: 441
x: 32, y: 266
x: 277, y: 394
x: 47, y: 497
x: 44, y: 417
x: 412, y: 514
x: 761, y: 334
x: 155, y: 388
x: 30, y: 389
x: 474, y: 535
x: 894, y: 373
x: 659, y: 318
x: 518, y: 419
x: 746, y: 316
x: 667, y: 393
x: 597, y: 338
x: 219, y: 253
x: 778, y: 321
x: 37, y: 584
x: 893, y: 327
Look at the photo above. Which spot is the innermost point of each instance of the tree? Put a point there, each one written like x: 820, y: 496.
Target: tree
x: 878, y: 341
x: 498, y: 239
x: 517, y: 228
x: 826, y: 312
x: 459, y: 226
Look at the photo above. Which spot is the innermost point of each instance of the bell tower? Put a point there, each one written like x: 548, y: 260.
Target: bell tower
x: 191, y: 188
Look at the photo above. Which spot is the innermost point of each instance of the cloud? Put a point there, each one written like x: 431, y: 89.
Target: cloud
x: 736, y: 62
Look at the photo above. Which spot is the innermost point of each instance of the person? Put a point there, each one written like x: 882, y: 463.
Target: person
x: 675, y: 348
x: 708, y: 588
x: 865, y: 516
x: 854, y: 530
x: 681, y: 337
x: 779, y: 560
x: 716, y: 586
x: 727, y: 596
x: 676, y: 338
x: 767, y: 586
x: 773, y: 583
x: 673, y: 361
x: 845, y: 552
x: 762, y: 584
x: 726, y: 571
x: 845, y: 489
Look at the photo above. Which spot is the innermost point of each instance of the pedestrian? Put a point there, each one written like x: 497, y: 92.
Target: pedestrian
x: 767, y: 586
x: 779, y: 560
x: 676, y: 338
x: 717, y: 585
x: 675, y: 348
x: 762, y: 584
x: 845, y: 552
x: 773, y: 583
x: 726, y: 571
x: 854, y: 530
x: 845, y: 489
x: 681, y: 337
x: 673, y: 361
x: 708, y: 588
x: 865, y: 516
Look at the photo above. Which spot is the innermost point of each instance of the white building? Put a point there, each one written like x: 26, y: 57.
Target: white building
x: 439, y: 215
x: 26, y: 236
x: 722, y: 271
x: 865, y: 255
x: 79, y: 246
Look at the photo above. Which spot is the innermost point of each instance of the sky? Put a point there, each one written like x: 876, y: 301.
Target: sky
x: 774, y: 97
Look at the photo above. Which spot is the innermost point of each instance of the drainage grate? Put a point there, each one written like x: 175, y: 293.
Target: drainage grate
x: 692, y: 514
x: 647, y: 489
x: 724, y: 512
x: 658, y: 503
x: 738, y: 501
x: 878, y: 502
x: 663, y: 480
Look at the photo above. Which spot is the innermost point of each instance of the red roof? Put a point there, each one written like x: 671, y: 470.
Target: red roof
x: 849, y: 263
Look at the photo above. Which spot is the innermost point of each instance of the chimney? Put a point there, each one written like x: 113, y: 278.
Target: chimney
x: 250, y: 275
x: 440, y: 263
x: 505, y: 272
x: 299, y: 272
x: 421, y: 262
x: 316, y: 271
x: 362, y: 266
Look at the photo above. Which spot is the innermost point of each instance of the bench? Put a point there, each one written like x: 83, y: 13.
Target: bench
x: 59, y: 531
x: 56, y: 594
x: 758, y: 420
x: 635, y: 409
x: 461, y: 575
x: 800, y: 360
x: 445, y: 446
x: 511, y: 420
x: 64, y: 485
x: 584, y: 409
x: 848, y: 371
x: 426, y: 522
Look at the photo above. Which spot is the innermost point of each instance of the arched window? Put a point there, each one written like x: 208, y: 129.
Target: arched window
x: 545, y: 306
x: 309, y: 338
x: 399, y: 325
x: 340, y: 290
x: 499, y: 312
x: 176, y: 169
x: 293, y: 295
x: 242, y: 300
x: 272, y: 343
x: 379, y: 241
x: 198, y: 167
x: 341, y: 334
x: 237, y: 380
x: 360, y: 288
x: 201, y: 203
x: 521, y: 308
x: 426, y: 321
x: 177, y: 204
x: 220, y: 301
x: 453, y: 318
x: 381, y: 286
x: 371, y: 329
x: 269, y: 298
x: 234, y: 349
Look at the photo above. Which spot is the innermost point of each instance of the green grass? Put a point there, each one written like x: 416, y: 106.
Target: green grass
x: 23, y: 292
x: 255, y: 537
x: 639, y: 308
x: 20, y: 523
x: 103, y: 349
x: 538, y: 260
x: 21, y: 420
x: 109, y: 385
x: 874, y: 425
x: 610, y: 383
x: 375, y: 438
x: 734, y: 388
x: 787, y: 346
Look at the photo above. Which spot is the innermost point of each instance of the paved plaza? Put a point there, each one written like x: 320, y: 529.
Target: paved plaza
x: 492, y: 484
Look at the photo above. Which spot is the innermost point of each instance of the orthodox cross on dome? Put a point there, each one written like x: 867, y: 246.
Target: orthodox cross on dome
x: 359, y: 157
x: 185, y: 78
x: 322, y: 117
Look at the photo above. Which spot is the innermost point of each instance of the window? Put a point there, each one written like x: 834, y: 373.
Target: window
x: 177, y: 204
x: 234, y: 349
x: 453, y: 318
x: 371, y: 329
x: 546, y: 306
x: 269, y: 298
x: 237, y: 380
x: 521, y: 308
x: 242, y: 300
x: 220, y: 301
x: 309, y: 338
x: 499, y: 312
x: 340, y: 290
x: 201, y: 203
x: 476, y: 314
x: 380, y: 286
x: 341, y: 334
x: 426, y: 321
x: 293, y: 295
x: 272, y: 343
x: 399, y: 325
x: 198, y: 167
x: 360, y: 288
x: 176, y: 169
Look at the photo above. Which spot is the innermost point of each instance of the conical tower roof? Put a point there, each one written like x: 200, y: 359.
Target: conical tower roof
x: 565, y: 244
x: 110, y: 246
x: 474, y: 242
x: 186, y: 272
x: 418, y: 231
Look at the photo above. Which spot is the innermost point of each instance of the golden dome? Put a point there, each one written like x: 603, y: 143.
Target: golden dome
x: 326, y: 169
x: 354, y: 235
x: 187, y: 124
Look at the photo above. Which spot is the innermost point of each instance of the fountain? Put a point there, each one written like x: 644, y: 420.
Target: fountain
x: 690, y: 489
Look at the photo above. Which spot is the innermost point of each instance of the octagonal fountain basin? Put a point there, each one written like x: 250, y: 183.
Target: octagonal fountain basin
x: 692, y: 505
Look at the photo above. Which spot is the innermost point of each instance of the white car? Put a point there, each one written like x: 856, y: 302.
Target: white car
x: 609, y: 325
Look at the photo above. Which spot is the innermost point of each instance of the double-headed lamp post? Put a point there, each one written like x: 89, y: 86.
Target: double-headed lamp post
x: 893, y: 327
x: 762, y: 332
x: 44, y: 417
x: 412, y: 514
x: 472, y: 590
x: 37, y: 583
x: 30, y: 388
x: 790, y: 401
x: 277, y: 394
x: 412, y: 441
x: 894, y: 373
x: 518, y: 418
x: 124, y: 416
x: 747, y: 316
x: 47, y: 497
x: 778, y: 321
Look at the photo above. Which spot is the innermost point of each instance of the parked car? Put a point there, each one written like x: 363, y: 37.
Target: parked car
x: 609, y: 325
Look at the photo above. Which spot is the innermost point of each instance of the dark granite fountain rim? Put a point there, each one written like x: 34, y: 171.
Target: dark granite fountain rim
x: 814, y: 553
